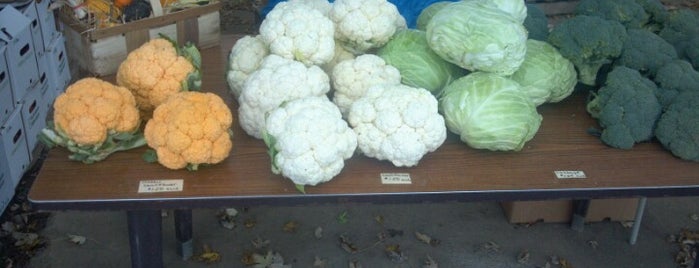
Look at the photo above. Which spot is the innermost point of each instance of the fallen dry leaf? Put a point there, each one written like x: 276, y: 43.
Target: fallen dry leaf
x: 207, y: 255
x: 354, y: 264
x: 77, y: 239
x: 291, y: 226
x: 320, y: 263
x: 249, y: 223
x: 394, y: 253
x: 627, y: 224
x: 427, y: 239
x: 523, y: 256
x: 269, y: 260
x: 593, y: 244
x: 379, y: 219
x: 489, y: 246
x: 430, y: 263
x: 318, y: 233
x: 347, y: 245
x: 260, y: 243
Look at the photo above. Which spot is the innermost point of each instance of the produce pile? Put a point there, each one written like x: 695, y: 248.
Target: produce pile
x: 107, y: 13
x: 467, y: 67
x: 641, y: 59
x: 155, y: 85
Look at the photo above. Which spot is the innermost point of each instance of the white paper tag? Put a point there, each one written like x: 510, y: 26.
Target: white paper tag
x: 396, y: 178
x: 159, y: 186
x: 570, y: 174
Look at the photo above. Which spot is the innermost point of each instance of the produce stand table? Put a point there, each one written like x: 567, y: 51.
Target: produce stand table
x: 453, y: 172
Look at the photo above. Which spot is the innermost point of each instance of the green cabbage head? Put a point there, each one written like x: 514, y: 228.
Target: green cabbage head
x: 478, y: 36
x: 419, y: 66
x: 545, y: 75
x: 490, y: 112
x: 427, y: 13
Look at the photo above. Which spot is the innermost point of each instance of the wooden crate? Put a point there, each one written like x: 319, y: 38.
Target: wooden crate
x: 98, y: 52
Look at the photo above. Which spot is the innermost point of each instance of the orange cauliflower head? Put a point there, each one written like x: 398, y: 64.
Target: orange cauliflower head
x: 189, y: 129
x: 158, y: 69
x: 91, y: 109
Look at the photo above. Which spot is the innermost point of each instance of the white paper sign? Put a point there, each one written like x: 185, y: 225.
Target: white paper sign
x: 570, y: 174
x: 396, y: 178
x: 159, y: 186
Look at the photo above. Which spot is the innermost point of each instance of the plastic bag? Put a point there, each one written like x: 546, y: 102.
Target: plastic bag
x: 410, y: 9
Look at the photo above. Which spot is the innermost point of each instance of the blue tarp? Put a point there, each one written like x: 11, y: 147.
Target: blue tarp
x: 410, y: 9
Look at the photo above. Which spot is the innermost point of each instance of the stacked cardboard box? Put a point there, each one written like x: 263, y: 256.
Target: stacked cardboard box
x: 33, y: 71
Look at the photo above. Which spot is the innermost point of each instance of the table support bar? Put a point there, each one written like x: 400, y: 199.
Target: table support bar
x: 183, y: 232
x: 637, y: 219
x: 145, y: 238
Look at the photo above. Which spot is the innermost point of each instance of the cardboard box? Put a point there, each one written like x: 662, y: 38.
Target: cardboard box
x: 19, y: 51
x: 99, y: 52
x: 560, y: 211
x: 7, y: 104
x: 33, y: 116
x: 59, y: 76
x: 29, y: 11
x: 47, y: 22
x: 7, y: 190
x: 13, y: 146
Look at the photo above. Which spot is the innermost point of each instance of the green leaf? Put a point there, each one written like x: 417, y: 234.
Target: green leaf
x: 272, y: 151
x: 150, y: 156
x: 301, y: 188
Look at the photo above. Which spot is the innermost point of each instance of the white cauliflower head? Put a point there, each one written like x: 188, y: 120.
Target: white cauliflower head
x: 341, y: 54
x: 245, y: 57
x: 308, y: 140
x: 351, y: 78
x: 276, y: 81
x: 397, y: 123
x: 295, y: 30
x: 364, y: 24
x: 321, y: 5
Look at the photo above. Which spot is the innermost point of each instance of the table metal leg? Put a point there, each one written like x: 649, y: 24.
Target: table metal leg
x: 637, y: 220
x: 580, y: 208
x: 145, y: 238
x: 183, y: 232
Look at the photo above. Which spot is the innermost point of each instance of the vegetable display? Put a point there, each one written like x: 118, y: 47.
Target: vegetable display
x: 478, y: 36
x: 245, y: 57
x: 352, y: 78
x: 93, y: 119
x: 397, y: 123
x: 545, y: 75
x: 159, y: 69
x: 589, y: 42
x: 418, y: 65
x: 190, y: 129
x: 626, y: 108
x: 308, y: 153
x: 296, y: 31
x: 276, y: 81
x: 361, y: 25
x: 490, y: 112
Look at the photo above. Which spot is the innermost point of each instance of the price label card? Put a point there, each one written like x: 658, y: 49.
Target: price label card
x: 570, y: 174
x: 159, y: 186
x: 395, y: 178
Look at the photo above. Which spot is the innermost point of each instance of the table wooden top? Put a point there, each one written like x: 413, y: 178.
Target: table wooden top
x: 454, y: 171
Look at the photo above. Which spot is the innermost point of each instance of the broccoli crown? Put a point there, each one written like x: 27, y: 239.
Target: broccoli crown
x: 646, y: 52
x: 657, y: 13
x: 673, y: 78
x: 626, y: 108
x: 692, y: 52
x: 680, y: 27
x: 589, y: 42
x: 678, y: 126
x: 537, y: 23
x: 627, y: 12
